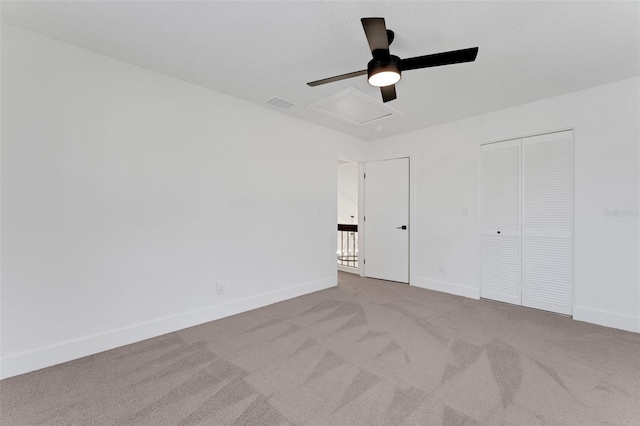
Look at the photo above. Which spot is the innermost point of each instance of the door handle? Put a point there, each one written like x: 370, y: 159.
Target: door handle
x: 402, y: 227
x: 498, y: 232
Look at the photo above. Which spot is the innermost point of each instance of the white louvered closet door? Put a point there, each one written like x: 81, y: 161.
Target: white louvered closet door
x: 500, y: 263
x: 547, y: 222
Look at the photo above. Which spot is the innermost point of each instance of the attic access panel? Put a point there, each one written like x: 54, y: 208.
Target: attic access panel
x: 354, y: 107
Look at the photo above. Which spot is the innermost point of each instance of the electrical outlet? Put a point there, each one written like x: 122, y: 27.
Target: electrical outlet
x: 441, y: 269
x: 466, y: 211
x: 220, y: 288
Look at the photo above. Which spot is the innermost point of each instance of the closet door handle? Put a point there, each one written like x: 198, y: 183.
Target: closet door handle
x: 498, y: 232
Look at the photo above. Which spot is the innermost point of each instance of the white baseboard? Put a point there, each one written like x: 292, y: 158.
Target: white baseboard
x: 593, y: 316
x: 446, y: 287
x: 349, y: 269
x: 68, y: 351
x: 608, y: 319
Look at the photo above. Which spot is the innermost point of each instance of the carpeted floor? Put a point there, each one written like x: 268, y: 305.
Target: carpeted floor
x: 368, y: 352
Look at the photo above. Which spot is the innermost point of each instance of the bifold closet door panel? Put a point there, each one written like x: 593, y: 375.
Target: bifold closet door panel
x: 547, y: 222
x: 500, y: 263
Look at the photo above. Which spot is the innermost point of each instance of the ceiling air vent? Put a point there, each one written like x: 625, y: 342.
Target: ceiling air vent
x: 280, y: 103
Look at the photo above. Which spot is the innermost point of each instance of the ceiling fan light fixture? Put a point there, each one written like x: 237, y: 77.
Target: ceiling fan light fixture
x: 384, y: 78
x: 383, y: 73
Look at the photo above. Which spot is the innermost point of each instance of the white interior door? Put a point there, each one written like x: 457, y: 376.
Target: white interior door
x: 386, y: 225
x: 500, y: 263
x: 547, y: 222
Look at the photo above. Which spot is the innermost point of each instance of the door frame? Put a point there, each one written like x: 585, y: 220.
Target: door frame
x: 411, y: 157
x: 360, y: 164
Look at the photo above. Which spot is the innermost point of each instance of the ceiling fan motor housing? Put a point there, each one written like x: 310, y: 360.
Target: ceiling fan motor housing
x: 389, y: 64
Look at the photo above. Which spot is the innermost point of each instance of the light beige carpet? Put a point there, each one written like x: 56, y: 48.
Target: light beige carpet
x: 366, y: 353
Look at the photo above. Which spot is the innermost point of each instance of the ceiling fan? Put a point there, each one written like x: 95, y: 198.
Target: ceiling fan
x: 385, y: 69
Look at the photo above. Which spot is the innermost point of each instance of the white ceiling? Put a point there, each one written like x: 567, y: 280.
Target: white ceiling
x: 255, y: 50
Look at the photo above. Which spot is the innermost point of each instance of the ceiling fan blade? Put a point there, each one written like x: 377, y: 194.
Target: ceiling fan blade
x: 337, y: 78
x: 376, y: 32
x: 437, y: 59
x: 388, y: 93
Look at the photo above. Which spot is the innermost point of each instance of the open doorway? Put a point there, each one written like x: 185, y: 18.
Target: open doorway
x: 347, y: 250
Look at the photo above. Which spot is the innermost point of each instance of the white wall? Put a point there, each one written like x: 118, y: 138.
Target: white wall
x: 126, y: 195
x: 348, y: 192
x: 0, y: 203
x: 445, y: 180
